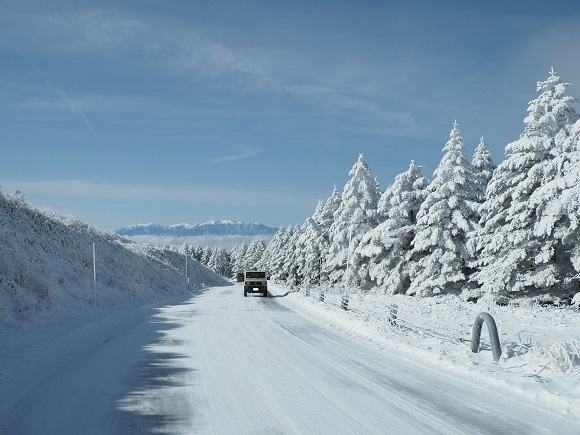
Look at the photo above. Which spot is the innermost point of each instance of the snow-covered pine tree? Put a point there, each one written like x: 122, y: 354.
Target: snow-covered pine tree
x: 290, y: 263
x: 318, y: 211
x: 185, y: 249
x: 516, y: 255
x: 356, y: 214
x: 219, y: 262
x: 266, y: 261
x: 308, y: 244
x: 238, y: 255
x: 484, y: 167
x: 556, y: 203
x: 483, y: 171
x: 274, y: 258
x: 212, y: 262
x: 324, y: 217
x: 387, y: 247
x: 254, y: 253
x: 445, y: 219
x: 567, y: 210
x: 311, y: 244
x: 206, y: 255
x: 298, y: 257
x: 552, y: 112
x: 225, y: 263
x: 198, y: 253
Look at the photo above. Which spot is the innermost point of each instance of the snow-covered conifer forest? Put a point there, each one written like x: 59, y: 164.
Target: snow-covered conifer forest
x: 475, y: 230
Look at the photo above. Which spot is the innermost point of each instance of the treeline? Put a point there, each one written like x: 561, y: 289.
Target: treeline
x: 475, y: 230
x: 242, y: 257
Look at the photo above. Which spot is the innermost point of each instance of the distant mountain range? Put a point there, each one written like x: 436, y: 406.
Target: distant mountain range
x: 213, y: 228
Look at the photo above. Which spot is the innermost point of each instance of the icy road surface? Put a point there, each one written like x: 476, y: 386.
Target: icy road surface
x: 219, y: 363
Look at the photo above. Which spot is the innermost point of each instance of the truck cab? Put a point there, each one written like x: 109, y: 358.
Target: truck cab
x: 255, y: 281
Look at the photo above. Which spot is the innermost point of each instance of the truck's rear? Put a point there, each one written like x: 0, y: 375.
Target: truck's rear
x: 255, y: 282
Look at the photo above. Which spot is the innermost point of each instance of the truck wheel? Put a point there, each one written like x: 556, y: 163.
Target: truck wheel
x: 245, y: 292
x: 265, y: 293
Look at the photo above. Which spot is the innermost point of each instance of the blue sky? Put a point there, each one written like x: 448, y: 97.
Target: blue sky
x: 125, y: 112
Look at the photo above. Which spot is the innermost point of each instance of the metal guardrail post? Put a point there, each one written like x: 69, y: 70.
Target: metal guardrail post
x: 344, y: 303
x: 493, y: 335
x: 393, y: 311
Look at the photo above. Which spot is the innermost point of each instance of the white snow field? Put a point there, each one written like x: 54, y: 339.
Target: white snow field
x: 214, y: 362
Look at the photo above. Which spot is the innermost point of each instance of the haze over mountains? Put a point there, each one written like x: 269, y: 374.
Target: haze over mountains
x: 215, y: 233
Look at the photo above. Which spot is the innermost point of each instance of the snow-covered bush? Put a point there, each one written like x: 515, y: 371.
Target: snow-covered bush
x: 576, y: 300
x: 563, y: 356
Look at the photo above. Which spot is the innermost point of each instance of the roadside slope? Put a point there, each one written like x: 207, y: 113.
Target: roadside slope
x: 46, y: 266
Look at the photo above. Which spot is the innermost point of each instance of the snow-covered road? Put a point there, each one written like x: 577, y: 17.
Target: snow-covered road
x: 221, y: 363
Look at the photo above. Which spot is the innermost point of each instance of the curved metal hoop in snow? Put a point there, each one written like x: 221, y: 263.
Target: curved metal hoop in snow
x: 493, y: 336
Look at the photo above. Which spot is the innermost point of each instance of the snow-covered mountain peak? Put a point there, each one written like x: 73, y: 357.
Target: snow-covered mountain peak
x: 213, y: 227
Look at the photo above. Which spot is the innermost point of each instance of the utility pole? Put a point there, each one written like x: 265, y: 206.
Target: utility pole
x: 95, y: 274
x: 187, y: 270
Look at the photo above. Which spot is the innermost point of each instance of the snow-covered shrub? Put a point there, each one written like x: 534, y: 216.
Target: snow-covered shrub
x: 561, y: 356
x: 576, y: 300
x: 513, y: 349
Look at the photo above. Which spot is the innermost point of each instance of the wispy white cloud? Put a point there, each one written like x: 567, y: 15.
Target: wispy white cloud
x: 245, y: 154
x: 95, y: 30
x: 76, y: 112
x: 192, y: 53
x: 160, y: 45
x: 356, y: 107
x: 186, y: 53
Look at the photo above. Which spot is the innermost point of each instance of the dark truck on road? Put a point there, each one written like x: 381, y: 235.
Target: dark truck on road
x: 255, y: 282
